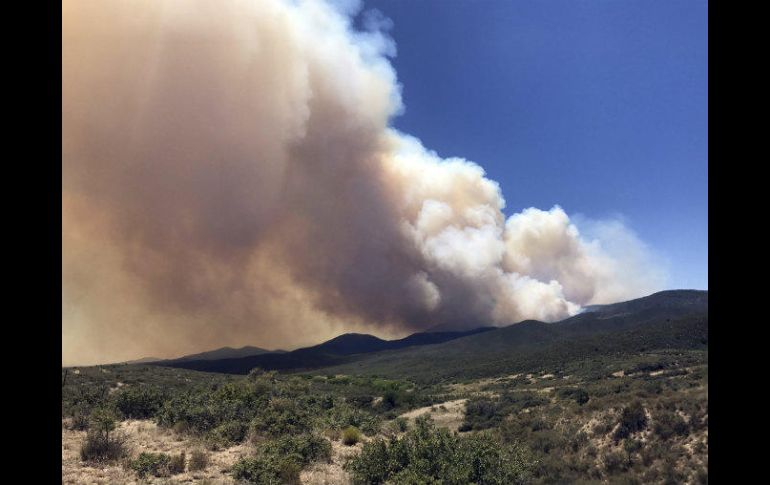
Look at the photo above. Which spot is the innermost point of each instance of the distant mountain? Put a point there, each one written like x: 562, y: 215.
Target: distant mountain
x: 669, y: 320
x: 335, y: 351
x: 143, y: 360
x: 676, y: 319
x: 225, y: 353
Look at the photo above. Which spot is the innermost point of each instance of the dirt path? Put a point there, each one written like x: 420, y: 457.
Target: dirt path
x: 448, y: 414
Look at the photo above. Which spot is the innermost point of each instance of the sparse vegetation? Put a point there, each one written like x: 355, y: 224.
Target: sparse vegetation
x: 199, y: 460
x: 427, y: 454
x: 155, y: 464
x: 613, y: 416
x: 351, y: 436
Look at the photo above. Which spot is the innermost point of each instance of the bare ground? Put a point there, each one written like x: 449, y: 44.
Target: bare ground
x: 448, y: 415
x: 144, y: 436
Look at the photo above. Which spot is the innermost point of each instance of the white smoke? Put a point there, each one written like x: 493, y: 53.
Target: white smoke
x: 230, y: 175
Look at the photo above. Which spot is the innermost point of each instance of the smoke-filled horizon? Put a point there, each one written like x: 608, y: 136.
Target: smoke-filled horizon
x: 231, y: 177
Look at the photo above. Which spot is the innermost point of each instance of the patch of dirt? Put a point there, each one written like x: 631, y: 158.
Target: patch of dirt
x: 450, y: 416
x: 474, y: 386
x: 331, y: 473
x: 145, y: 436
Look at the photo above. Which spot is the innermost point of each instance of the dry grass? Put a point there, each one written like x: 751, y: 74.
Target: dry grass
x: 450, y: 416
x: 144, y: 436
x: 332, y: 473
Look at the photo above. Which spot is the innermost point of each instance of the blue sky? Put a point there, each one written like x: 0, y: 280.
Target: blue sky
x: 597, y: 106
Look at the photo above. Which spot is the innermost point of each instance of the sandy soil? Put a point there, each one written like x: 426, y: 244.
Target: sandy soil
x: 331, y: 473
x: 450, y: 416
x: 145, y: 436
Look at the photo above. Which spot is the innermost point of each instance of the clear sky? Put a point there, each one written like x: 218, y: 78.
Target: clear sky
x: 598, y: 106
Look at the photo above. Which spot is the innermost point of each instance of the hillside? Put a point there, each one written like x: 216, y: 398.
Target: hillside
x: 618, y: 394
x: 226, y: 353
x: 676, y: 319
x: 663, y: 321
x: 344, y: 348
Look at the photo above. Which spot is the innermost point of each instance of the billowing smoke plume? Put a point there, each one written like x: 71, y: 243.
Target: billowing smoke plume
x: 230, y: 177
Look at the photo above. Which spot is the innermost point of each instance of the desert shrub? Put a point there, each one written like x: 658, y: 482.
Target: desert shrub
x: 579, y: 440
x: 282, y: 417
x: 372, y: 465
x: 101, y: 447
x: 177, y: 463
x: 579, y: 394
x: 546, y: 441
x: 344, y: 415
x: 426, y: 454
x: 302, y: 449
x: 191, y: 410
x: 267, y: 470
x: 632, y: 420
x: 632, y: 446
x: 227, y: 434
x: 401, y: 424
x: 604, y: 425
x: 616, y: 461
x: 390, y: 399
x: 668, y: 424
x: 80, y: 419
x: 199, y: 460
x: 482, y: 414
x: 155, y: 464
x: 351, y: 436
x: 280, y: 461
x: 651, y: 452
x: 362, y: 401
x: 138, y: 402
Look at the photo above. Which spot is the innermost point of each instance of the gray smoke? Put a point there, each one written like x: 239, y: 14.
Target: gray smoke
x: 230, y: 177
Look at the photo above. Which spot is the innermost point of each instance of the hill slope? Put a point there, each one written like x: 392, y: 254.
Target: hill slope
x: 225, y: 353
x: 663, y: 321
x: 675, y: 319
x: 345, y: 348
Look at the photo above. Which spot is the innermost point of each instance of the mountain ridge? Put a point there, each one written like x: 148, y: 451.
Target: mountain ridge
x: 646, y: 316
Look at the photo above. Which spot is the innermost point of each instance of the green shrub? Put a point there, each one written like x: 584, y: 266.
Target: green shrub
x: 351, y: 436
x: 138, y: 402
x: 632, y: 420
x: 177, y: 463
x: 101, y: 447
x: 227, y: 434
x: 668, y: 424
x: 426, y: 454
x: 579, y: 394
x: 402, y: 424
x: 362, y: 401
x: 80, y: 419
x: 199, y: 460
x: 481, y: 414
x: 280, y: 461
x: 303, y: 449
x: 281, y: 417
x: 616, y: 461
x: 155, y: 464
x: 344, y: 415
x: 632, y: 446
x: 267, y: 470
